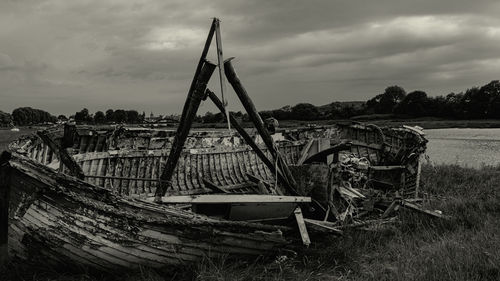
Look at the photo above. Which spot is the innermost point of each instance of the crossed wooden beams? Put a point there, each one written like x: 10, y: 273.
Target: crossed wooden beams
x: 197, y: 92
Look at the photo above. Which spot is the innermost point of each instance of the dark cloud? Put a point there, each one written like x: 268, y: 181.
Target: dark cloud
x: 65, y: 55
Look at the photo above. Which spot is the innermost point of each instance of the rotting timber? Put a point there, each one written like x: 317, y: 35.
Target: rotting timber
x: 127, y: 197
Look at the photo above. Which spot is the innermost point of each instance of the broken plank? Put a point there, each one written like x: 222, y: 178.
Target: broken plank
x: 387, y: 168
x: 214, y: 187
x: 322, y: 226
x: 302, y: 227
x: 232, y: 198
x: 415, y: 207
x: 305, y: 152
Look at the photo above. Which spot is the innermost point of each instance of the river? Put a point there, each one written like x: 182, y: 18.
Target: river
x: 464, y: 146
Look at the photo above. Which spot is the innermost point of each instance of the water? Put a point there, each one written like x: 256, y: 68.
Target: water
x: 465, y: 147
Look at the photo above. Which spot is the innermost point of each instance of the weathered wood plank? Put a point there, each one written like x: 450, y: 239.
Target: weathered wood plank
x: 302, y: 227
x: 4, y: 206
x: 322, y: 226
x: 74, y: 168
x: 232, y: 198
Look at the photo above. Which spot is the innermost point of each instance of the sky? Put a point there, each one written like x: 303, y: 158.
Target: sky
x: 62, y: 56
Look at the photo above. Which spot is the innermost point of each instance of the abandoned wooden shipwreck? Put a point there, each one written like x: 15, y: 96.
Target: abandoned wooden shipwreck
x: 127, y: 197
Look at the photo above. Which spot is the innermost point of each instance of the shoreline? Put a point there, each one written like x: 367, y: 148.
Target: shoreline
x: 427, y: 123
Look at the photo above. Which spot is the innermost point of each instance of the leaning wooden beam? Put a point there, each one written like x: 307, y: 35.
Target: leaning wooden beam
x: 73, y: 167
x: 4, y: 206
x: 259, y: 124
x: 188, y: 115
x: 248, y: 139
x: 200, y: 63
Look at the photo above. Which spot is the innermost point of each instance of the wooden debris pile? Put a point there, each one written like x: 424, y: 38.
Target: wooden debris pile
x: 357, y: 198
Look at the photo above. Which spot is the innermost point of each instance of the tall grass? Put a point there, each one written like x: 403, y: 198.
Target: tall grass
x: 420, y: 248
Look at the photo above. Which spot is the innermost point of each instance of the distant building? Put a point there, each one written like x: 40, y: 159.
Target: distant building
x: 171, y: 119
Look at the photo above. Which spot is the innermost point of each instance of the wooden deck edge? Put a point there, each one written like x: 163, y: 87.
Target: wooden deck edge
x: 232, y: 198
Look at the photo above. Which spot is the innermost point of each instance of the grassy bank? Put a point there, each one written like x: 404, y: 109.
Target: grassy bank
x: 465, y: 248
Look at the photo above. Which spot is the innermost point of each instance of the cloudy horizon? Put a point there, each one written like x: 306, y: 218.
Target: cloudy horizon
x: 62, y: 56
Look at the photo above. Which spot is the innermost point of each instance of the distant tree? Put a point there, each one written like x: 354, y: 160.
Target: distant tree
x: 265, y: 114
x: 132, y: 116
x: 475, y: 103
x: 5, y: 119
x: 120, y: 116
x: 83, y: 116
x: 99, y: 117
x: 27, y: 116
x: 436, y: 106
x: 110, y: 115
x: 305, y: 111
x: 62, y: 117
x: 386, y: 102
x: 415, y: 104
x: 454, y: 105
x: 209, y: 117
x: 492, y: 90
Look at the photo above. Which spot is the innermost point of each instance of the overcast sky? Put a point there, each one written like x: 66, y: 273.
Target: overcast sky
x: 61, y: 55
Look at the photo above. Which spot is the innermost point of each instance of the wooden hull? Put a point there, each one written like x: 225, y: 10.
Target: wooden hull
x: 102, y: 222
x: 59, y: 219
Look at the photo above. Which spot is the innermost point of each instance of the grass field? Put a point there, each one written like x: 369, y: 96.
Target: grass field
x: 420, y: 248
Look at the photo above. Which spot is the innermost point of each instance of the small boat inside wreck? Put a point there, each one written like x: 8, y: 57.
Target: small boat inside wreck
x: 118, y: 197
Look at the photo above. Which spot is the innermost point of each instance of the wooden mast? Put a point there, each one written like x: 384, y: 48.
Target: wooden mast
x: 183, y: 123
x: 200, y: 63
x: 188, y: 115
x: 220, y: 62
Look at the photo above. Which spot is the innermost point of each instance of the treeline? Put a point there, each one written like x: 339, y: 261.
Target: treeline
x: 26, y: 116
x: 111, y: 116
x: 475, y: 103
x: 309, y: 112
